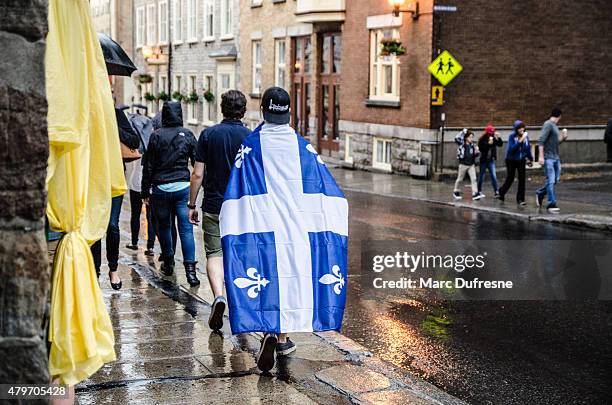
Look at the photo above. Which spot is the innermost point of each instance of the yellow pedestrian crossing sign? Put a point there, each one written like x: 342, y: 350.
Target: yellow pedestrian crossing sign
x: 445, y: 68
x: 437, y: 95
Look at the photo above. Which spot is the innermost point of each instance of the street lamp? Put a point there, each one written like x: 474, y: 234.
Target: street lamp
x: 413, y: 8
x: 147, y: 52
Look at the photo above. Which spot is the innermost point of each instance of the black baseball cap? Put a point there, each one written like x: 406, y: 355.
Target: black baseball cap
x: 276, y: 105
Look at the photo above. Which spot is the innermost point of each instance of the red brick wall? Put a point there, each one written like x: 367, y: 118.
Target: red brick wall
x: 415, y: 79
x: 521, y: 58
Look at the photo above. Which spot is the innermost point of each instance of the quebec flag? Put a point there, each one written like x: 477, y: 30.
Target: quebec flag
x: 284, y: 230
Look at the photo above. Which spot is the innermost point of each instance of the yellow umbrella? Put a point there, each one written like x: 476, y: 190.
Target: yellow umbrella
x: 85, y: 172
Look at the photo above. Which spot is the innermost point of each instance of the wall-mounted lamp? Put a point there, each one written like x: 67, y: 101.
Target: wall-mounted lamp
x: 413, y: 8
x: 154, y: 55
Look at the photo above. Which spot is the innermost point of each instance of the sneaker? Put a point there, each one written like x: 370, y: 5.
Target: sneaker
x: 500, y: 197
x: 539, y: 200
x: 215, y: 320
x: 497, y: 194
x: 265, y: 357
x: 478, y: 196
x: 132, y: 247
x: 552, y: 208
x: 457, y: 195
x: 285, y: 349
x: 522, y: 203
x: 149, y: 252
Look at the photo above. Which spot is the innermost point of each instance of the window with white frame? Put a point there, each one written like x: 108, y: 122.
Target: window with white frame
x: 384, y: 69
x: 140, y: 27
x: 208, y: 107
x: 226, y: 18
x: 209, y: 20
x: 348, y: 149
x: 256, y: 67
x: 279, y: 70
x: 192, y: 20
x: 381, y: 158
x: 256, y: 3
x: 177, y: 14
x: 163, y: 22
x: 177, y: 87
x: 191, y: 106
x: 162, y: 86
x: 151, y: 23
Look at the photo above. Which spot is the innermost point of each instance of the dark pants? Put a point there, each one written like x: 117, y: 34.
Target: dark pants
x: 512, y: 166
x: 163, y: 204
x: 609, y: 152
x: 136, y: 206
x: 113, y: 238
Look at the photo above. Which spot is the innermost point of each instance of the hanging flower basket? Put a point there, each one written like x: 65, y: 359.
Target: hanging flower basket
x: 391, y: 47
x: 178, y: 96
x: 145, y: 78
x: 163, y: 96
x: 193, y: 97
x: 149, y: 97
x: 209, y: 96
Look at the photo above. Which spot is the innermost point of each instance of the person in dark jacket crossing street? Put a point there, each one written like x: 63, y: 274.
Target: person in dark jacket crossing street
x: 467, y: 153
x: 166, y: 179
x: 518, y: 155
x: 488, y: 144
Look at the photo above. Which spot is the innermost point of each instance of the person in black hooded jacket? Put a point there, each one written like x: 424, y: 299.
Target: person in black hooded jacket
x: 165, y: 179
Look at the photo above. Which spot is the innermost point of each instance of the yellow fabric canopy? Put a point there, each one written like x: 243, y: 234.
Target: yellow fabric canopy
x: 85, y: 171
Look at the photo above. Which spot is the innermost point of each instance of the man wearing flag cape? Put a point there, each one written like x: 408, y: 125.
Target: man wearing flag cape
x: 284, y: 230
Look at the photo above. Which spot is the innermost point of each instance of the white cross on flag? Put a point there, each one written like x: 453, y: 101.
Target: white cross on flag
x: 284, y: 229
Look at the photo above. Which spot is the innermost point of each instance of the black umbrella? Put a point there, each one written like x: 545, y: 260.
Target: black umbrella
x: 117, y: 61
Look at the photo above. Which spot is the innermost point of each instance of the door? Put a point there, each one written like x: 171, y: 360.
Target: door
x: 226, y: 72
x: 329, y: 92
x: 301, y: 89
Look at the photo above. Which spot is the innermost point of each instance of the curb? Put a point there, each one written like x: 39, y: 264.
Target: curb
x: 588, y: 221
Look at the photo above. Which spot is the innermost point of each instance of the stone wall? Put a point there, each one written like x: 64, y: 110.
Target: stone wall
x: 24, y: 270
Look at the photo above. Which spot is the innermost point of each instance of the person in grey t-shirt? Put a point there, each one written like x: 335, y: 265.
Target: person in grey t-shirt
x: 549, y: 159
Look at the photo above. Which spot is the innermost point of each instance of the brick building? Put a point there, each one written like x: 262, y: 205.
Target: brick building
x: 520, y: 59
x: 296, y: 45
x: 188, y: 48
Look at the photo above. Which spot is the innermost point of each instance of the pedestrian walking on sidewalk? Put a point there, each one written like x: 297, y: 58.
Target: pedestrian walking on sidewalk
x: 215, y: 154
x: 608, y: 139
x: 166, y: 181
x: 467, y: 152
x: 129, y: 138
x: 488, y: 144
x: 518, y: 156
x: 133, y: 174
x: 549, y: 158
x: 284, y: 229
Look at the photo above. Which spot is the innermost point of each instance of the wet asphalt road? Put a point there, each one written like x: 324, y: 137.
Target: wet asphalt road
x: 488, y: 352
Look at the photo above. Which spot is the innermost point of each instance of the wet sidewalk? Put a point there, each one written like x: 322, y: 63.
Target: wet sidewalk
x: 166, y: 353
x: 585, y: 199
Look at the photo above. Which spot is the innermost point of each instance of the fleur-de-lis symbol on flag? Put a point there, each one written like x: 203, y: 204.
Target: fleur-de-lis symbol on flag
x: 336, y: 278
x: 254, y: 281
x: 311, y: 149
x: 244, y: 150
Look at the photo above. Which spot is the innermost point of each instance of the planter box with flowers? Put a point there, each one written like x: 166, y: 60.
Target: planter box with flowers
x: 145, y: 78
x: 149, y: 97
x: 209, y: 96
x: 177, y: 96
x: 192, y: 98
x: 391, y: 47
x: 163, y: 96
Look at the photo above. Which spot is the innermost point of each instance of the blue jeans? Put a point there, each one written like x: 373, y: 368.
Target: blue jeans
x: 484, y: 165
x: 113, y: 238
x: 552, y: 170
x: 163, y: 204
